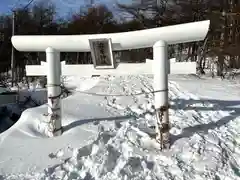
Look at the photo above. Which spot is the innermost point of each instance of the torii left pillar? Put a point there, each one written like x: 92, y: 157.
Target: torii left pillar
x: 161, y: 69
x: 54, y: 92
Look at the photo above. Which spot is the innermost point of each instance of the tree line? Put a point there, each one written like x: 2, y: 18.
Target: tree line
x: 220, y: 46
x: 222, y: 42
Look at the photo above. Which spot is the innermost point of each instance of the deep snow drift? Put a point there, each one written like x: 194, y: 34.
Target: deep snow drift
x: 107, y: 134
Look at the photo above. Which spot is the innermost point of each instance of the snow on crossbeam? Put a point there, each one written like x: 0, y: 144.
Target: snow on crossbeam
x: 182, y: 33
x: 122, y: 69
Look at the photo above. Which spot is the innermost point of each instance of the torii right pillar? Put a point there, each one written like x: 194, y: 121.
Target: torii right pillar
x: 161, y: 68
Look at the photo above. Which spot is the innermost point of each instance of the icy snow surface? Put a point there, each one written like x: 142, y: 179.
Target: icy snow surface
x: 107, y: 137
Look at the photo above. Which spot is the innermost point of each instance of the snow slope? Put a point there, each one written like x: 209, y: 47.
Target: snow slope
x: 107, y: 134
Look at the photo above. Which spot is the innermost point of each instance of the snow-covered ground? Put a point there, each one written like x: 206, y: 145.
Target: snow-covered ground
x: 106, y: 134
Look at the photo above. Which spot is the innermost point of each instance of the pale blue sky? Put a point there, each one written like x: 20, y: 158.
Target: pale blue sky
x: 63, y: 6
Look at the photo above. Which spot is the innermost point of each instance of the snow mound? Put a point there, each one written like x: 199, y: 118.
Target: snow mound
x: 81, y: 83
x: 204, y: 136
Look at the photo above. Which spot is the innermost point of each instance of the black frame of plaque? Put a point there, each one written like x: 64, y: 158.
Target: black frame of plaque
x: 106, y: 53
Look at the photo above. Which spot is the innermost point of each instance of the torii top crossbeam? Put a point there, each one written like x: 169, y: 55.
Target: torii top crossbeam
x: 182, y: 33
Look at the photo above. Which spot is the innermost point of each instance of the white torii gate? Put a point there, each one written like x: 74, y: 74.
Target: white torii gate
x: 158, y: 38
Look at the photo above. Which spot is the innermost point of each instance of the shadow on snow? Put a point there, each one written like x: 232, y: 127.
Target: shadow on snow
x: 222, y: 105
